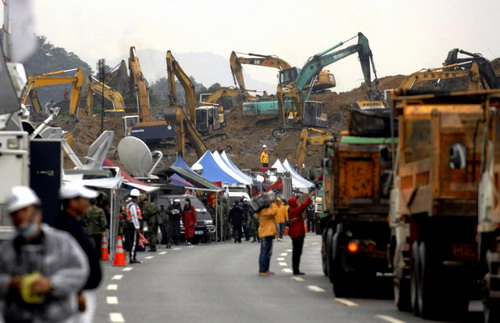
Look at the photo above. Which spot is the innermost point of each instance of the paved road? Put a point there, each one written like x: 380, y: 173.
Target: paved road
x: 219, y: 283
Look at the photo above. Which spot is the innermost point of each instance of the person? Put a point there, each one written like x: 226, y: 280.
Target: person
x: 34, y: 287
x: 189, y: 220
x: 151, y: 215
x: 75, y: 200
x: 264, y: 156
x: 246, y: 219
x: 66, y: 94
x: 164, y: 227
x: 310, y: 218
x: 297, y: 231
x: 236, y: 219
x: 95, y: 225
x: 48, y: 106
x: 174, y: 213
x: 133, y: 228
x: 267, y: 232
x: 281, y: 218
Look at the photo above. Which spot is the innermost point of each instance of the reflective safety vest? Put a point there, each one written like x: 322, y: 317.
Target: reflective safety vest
x: 264, y: 157
x: 134, y: 214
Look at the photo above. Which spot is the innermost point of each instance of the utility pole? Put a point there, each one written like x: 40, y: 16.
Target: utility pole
x: 100, y: 67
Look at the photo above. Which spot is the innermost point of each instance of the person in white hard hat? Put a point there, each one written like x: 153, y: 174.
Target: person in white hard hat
x: 75, y: 200
x: 133, y: 228
x: 264, y: 156
x: 34, y: 287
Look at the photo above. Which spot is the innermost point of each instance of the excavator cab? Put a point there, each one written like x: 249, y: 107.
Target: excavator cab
x: 313, y: 115
x: 287, y: 76
x: 209, y: 118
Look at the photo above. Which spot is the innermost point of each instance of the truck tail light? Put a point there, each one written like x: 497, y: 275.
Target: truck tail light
x: 370, y: 247
x: 352, y: 247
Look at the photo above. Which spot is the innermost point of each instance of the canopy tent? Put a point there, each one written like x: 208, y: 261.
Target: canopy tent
x: 297, y: 181
x: 230, y: 163
x: 179, y: 162
x: 178, y: 180
x: 229, y: 169
x: 193, y: 178
x: 292, y: 170
x: 213, y: 172
x: 130, y: 181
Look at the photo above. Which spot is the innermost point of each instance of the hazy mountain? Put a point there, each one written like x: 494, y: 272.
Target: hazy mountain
x: 206, y: 68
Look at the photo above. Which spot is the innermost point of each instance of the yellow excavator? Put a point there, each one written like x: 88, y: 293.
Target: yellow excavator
x: 185, y: 118
x: 307, y: 139
x: 94, y: 86
x: 152, y: 132
x: 220, y: 96
x: 55, y: 78
x: 325, y: 80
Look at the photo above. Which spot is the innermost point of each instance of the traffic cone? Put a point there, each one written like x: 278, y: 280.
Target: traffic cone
x: 104, y: 249
x: 119, y: 254
x: 286, y: 230
x: 305, y: 226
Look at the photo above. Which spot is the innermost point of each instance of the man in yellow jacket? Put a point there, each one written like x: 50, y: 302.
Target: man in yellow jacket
x: 267, y: 232
x: 264, y: 156
x: 281, y: 218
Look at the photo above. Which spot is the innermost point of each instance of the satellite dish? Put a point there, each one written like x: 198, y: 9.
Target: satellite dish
x: 135, y: 156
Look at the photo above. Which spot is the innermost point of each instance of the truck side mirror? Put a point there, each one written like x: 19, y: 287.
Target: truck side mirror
x: 458, y: 156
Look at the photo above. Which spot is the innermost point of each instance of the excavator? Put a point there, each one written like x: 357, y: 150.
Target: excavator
x: 94, y: 86
x: 151, y: 132
x: 185, y: 118
x: 292, y: 83
x: 220, y: 96
x: 55, y: 78
x: 307, y: 139
x: 324, y: 81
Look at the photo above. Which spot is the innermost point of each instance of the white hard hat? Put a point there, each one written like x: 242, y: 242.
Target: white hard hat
x: 177, y: 200
x: 21, y: 197
x: 135, y: 192
x: 264, y: 146
x: 72, y: 190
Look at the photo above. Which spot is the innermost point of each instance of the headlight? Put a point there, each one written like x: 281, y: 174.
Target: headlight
x: 209, y: 222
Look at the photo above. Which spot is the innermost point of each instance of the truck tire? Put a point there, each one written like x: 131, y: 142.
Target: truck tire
x: 415, y: 268
x: 428, y: 285
x: 324, y: 252
x: 492, y: 311
x: 338, y: 276
x: 328, y: 255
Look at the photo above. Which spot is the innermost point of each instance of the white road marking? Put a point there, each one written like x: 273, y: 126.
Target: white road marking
x: 116, y: 317
x: 149, y: 257
x: 297, y: 278
x: 284, y: 254
x: 283, y: 264
x: 315, y: 288
x: 128, y: 268
x: 190, y: 246
x: 346, y: 302
x: 117, y: 277
x: 175, y: 249
x: 163, y: 253
x: 389, y: 319
x: 306, y: 245
x: 280, y: 259
x: 112, y: 287
x: 288, y: 250
x: 287, y: 270
x: 112, y: 300
x: 313, y: 243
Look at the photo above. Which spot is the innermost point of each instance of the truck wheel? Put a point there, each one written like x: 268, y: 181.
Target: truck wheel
x: 428, y: 298
x: 324, y: 253
x: 338, y: 276
x: 415, y: 268
x: 491, y: 311
x: 329, y: 253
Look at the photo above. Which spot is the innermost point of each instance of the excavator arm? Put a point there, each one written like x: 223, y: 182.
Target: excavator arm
x: 185, y: 126
x: 223, y: 91
x: 95, y: 86
x: 54, y: 78
x: 306, y: 139
x: 236, y: 62
x: 484, y: 66
x: 140, y: 86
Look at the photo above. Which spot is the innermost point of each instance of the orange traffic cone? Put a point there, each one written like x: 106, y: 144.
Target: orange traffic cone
x: 104, y: 249
x: 119, y: 254
x: 305, y: 226
x: 286, y: 230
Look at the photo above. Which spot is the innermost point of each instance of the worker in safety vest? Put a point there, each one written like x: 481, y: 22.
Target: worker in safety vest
x: 133, y: 228
x: 264, y: 156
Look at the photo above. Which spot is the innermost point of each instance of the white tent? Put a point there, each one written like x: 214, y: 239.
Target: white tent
x: 230, y: 163
x: 297, y: 183
x: 289, y: 167
x: 229, y: 170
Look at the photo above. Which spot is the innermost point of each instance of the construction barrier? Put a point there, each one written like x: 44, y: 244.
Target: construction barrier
x: 119, y: 254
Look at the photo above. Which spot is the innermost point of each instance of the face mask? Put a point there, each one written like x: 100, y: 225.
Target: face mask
x: 27, y: 231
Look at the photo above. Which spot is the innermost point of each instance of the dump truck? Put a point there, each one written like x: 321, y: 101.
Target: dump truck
x: 355, y: 231
x: 434, y: 201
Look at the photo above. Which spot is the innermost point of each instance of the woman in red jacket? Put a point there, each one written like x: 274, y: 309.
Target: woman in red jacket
x: 297, y: 231
x: 189, y: 220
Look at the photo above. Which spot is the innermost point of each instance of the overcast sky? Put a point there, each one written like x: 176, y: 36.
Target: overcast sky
x: 404, y: 36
